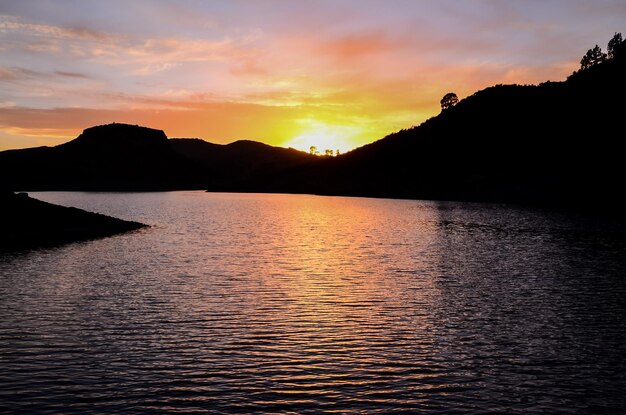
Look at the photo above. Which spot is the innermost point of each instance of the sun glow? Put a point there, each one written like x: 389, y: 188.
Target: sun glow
x: 325, y: 137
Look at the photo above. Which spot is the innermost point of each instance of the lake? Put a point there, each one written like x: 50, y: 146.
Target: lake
x: 241, y: 303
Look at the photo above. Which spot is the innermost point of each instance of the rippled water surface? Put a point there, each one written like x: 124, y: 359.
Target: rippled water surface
x: 240, y: 303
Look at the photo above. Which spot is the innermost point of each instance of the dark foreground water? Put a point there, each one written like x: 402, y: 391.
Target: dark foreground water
x: 302, y: 304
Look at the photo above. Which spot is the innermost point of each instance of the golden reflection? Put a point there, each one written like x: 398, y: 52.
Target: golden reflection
x: 341, y: 270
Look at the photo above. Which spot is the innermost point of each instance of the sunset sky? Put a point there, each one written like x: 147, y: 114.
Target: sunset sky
x: 335, y: 74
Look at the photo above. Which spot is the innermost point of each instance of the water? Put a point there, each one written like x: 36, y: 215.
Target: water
x: 240, y: 303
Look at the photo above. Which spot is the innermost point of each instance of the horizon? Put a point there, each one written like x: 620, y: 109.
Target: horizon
x: 336, y: 75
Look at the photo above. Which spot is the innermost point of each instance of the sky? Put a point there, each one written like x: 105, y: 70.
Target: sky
x: 336, y: 74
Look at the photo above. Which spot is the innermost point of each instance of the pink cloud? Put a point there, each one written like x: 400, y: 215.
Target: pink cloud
x: 15, y: 24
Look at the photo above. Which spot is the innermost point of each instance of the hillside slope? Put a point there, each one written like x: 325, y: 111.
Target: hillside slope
x: 553, y: 143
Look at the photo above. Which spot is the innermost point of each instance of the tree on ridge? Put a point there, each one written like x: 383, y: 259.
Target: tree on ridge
x: 593, y: 57
x: 615, y: 46
x: 449, y: 100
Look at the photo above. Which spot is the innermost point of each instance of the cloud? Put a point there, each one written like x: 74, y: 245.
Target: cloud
x: 149, y: 55
x: 249, y: 66
x: 16, y: 24
x: 26, y: 85
x: 13, y: 73
x: 69, y: 74
x: 360, y: 45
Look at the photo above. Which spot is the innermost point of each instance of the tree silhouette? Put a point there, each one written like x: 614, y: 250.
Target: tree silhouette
x: 615, y: 46
x: 592, y: 57
x: 449, y: 100
x: 313, y: 150
x: 328, y: 152
x: 337, y: 153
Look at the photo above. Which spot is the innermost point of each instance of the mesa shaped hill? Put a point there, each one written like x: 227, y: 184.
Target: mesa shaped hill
x: 129, y: 157
x: 107, y: 157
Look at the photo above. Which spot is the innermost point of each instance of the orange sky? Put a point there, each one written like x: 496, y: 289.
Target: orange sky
x: 335, y: 74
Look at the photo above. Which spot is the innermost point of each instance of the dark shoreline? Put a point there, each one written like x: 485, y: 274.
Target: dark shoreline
x: 28, y: 223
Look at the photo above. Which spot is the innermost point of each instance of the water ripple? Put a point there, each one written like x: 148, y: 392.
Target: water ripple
x: 302, y: 304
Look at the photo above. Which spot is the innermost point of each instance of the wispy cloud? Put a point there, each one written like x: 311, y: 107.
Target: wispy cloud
x: 15, y: 73
x: 152, y: 54
x: 15, y: 24
x: 69, y: 74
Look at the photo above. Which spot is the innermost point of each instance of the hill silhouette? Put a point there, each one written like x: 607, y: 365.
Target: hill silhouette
x: 556, y: 143
x: 129, y: 157
x: 29, y: 223
x: 108, y: 157
x: 240, y: 161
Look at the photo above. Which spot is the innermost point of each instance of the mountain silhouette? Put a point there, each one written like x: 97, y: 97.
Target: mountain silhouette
x: 130, y: 157
x: 29, y: 223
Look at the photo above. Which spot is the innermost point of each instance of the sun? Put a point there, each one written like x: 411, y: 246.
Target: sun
x: 324, y: 137
x: 318, y: 140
